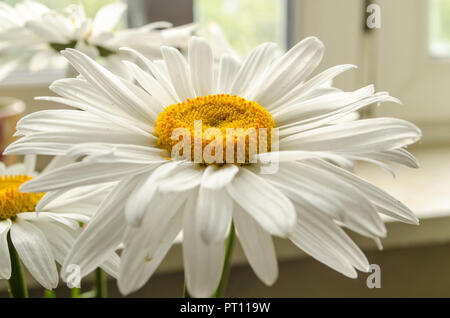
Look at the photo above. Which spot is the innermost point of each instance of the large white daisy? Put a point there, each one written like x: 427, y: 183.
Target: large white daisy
x: 123, y: 135
x: 43, y: 239
x: 32, y: 33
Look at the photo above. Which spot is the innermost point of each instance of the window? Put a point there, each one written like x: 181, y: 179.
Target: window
x: 440, y: 28
x: 246, y: 23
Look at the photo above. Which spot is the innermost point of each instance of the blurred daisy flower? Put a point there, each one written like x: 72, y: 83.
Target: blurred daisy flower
x: 125, y: 135
x: 42, y: 239
x: 31, y: 33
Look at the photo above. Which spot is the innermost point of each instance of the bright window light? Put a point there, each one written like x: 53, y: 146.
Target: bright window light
x: 246, y: 23
x: 440, y: 28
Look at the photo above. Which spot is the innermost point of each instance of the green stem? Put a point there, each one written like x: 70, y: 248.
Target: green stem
x: 101, y: 285
x: 49, y: 294
x: 186, y: 292
x: 220, y: 292
x: 75, y: 292
x: 17, y: 284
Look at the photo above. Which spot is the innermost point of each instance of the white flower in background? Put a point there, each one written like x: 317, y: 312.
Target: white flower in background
x: 45, y: 238
x: 123, y: 135
x: 32, y: 33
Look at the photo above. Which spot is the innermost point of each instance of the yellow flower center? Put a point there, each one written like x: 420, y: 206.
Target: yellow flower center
x: 226, y: 122
x: 12, y: 201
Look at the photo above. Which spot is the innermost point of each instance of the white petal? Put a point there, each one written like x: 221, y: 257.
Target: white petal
x: 81, y: 94
x: 178, y: 72
x: 202, y: 263
x: 109, y: 84
x: 144, y: 192
x: 228, y: 69
x: 315, y: 82
x: 81, y: 174
x: 59, y: 237
x: 390, y: 206
x: 103, y: 234
x: 151, y: 85
x: 108, y: 17
x: 161, y: 76
x: 252, y: 68
x: 289, y: 71
x: 213, y: 214
x: 5, y: 262
x: 52, y: 36
x: 359, y: 214
x: 377, y: 134
x: 201, y: 66
x: 146, y: 246
x: 112, y: 265
x: 215, y: 178
x: 185, y: 177
x: 324, y: 240
x: 337, y: 114
x: 266, y: 204
x: 35, y: 253
x: 257, y: 245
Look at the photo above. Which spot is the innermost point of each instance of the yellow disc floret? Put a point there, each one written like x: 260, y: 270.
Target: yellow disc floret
x: 12, y: 201
x: 225, y: 119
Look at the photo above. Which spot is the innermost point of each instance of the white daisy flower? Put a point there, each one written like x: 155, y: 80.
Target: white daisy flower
x: 32, y: 33
x: 44, y: 239
x: 124, y: 133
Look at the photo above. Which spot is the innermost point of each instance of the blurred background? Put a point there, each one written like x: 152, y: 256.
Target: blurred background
x: 407, y: 54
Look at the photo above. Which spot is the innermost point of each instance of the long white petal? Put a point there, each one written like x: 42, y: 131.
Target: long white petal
x: 107, y: 17
x: 327, y: 243
x: 147, y: 245
x: 202, y: 263
x: 377, y: 134
x: 109, y: 84
x: 228, y: 69
x: 201, y: 66
x: 138, y: 202
x: 178, y: 72
x: 5, y: 262
x: 151, y: 85
x: 59, y: 237
x: 104, y: 232
x: 289, y: 71
x: 35, y: 252
x: 305, y: 88
x: 252, y: 68
x: 215, y: 178
x: 266, y: 204
x: 390, y: 206
x: 257, y: 245
x: 81, y: 174
x: 213, y: 214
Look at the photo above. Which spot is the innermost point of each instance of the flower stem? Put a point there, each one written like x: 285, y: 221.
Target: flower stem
x: 75, y: 292
x: 186, y: 292
x: 17, y: 284
x: 220, y: 292
x: 49, y: 294
x: 101, y: 285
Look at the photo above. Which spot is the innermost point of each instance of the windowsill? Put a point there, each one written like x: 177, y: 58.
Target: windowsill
x: 424, y: 190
